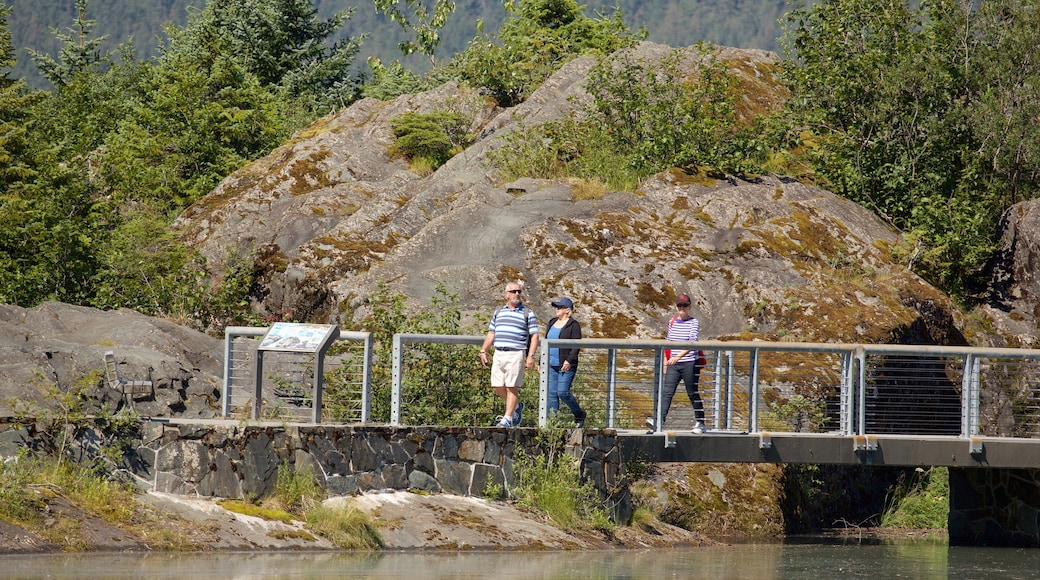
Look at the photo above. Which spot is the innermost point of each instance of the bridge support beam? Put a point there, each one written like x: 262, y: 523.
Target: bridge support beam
x: 994, y: 507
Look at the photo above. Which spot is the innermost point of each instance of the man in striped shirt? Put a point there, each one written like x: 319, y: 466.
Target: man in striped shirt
x: 508, y: 332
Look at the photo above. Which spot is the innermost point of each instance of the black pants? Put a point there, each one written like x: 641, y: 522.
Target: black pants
x: 689, y: 373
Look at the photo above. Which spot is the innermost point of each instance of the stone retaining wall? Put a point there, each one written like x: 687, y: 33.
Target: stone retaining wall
x: 239, y: 461
x: 235, y: 460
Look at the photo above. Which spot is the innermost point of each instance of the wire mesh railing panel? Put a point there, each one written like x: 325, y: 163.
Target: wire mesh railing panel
x: 445, y: 384
x: 797, y: 391
x: 241, y: 367
x: 1009, y: 402
x: 913, y: 394
x: 343, y: 396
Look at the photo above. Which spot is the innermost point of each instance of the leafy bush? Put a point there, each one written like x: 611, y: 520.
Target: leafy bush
x: 644, y: 117
x: 538, y: 38
x: 295, y: 491
x: 920, y: 501
x: 430, y: 139
x: 550, y: 482
x: 445, y: 384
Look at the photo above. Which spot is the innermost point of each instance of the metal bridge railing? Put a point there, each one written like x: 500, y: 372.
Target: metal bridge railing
x: 849, y: 389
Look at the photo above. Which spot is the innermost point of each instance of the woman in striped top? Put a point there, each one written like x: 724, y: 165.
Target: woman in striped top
x: 682, y: 364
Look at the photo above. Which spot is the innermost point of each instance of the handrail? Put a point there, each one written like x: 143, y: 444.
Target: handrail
x: 857, y: 388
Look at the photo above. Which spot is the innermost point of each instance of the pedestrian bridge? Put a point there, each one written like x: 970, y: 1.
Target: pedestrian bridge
x: 975, y: 410
x: 778, y: 402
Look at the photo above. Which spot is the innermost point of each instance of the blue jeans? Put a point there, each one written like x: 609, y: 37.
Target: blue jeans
x: 689, y: 373
x: 560, y: 390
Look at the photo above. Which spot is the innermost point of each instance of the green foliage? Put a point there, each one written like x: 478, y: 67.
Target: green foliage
x: 549, y: 481
x: 423, y: 22
x: 78, y: 52
x: 282, y: 43
x: 920, y: 501
x: 914, y: 123
x: 18, y: 502
x: 538, y: 38
x: 27, y: 481
x: 296, y: 491
x: 445, y: 384
x: 433, y: 137
x: 392, y: 80
x: 662, y: 118
x: 643, y: 118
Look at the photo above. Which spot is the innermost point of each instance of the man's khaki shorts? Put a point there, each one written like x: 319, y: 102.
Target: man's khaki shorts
x: 507, y: 368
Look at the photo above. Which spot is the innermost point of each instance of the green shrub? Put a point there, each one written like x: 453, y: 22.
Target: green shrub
x: 643, y: 118
x: 444, y: 384
x: 550, y: 482
x: 430, y: 139
x: 295, y: 490
x: 538, y: 38
x: 920, y: 501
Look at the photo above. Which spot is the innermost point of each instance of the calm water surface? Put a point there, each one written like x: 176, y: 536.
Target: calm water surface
x: 758, y: 561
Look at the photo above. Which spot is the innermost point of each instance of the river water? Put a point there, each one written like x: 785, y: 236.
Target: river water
x: 905, y: 559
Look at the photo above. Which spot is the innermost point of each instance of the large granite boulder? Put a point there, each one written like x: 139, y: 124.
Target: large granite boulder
x: 1014, y: 305
x: 55, y: 349
x: 332, y: 214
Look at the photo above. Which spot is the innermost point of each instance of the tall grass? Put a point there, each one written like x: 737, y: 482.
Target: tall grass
x: 28, y: 483
x: 298, y: 495
x: 550, y: 482
x: 919, y: 501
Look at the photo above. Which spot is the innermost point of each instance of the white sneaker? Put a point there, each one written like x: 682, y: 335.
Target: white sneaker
x: 699, y: 427
x: 504, y: 422
x: 649, y: 422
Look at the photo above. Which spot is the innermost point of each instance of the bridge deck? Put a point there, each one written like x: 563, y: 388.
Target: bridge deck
x: 901, y: 450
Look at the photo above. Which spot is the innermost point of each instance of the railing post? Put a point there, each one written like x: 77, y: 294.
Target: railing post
x: 716, y: 376
x: 225, y: 404
x: 366, y: 380
x: 395, y: 382
x: 976, y: 391
x: 658, y: 387
x: 970, y: 396
x: 861, y: 389
x: 543, y: 384
x: 845, y: 395
x: 611, y: 386
x: 730, y: 373
x: 753, y: 391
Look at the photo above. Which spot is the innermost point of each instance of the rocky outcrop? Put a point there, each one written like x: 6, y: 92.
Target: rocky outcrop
x: 52, y: 353
x: 331, y: 215
x: 1014, y: 304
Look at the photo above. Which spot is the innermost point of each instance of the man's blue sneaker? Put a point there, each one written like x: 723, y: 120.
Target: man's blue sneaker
x: 504, y: 422
x: 519, y: 413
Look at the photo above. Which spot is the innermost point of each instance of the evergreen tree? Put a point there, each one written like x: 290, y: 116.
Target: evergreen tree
x: 79, y: 52
x: 282, y: 43
x: 538, y: 38
x: 44, y: 216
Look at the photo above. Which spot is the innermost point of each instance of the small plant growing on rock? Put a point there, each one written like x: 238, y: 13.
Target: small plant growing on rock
x: 429, y: 140
x: 550, y: 482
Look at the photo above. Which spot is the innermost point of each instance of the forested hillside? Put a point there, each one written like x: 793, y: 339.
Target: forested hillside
x: 737, y: 23
x: 890, y: 109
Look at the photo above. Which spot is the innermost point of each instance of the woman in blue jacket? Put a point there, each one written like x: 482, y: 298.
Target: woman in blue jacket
x: 563, y: 362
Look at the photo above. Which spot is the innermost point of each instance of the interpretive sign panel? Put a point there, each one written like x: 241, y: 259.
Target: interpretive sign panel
x: 296, y: 337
